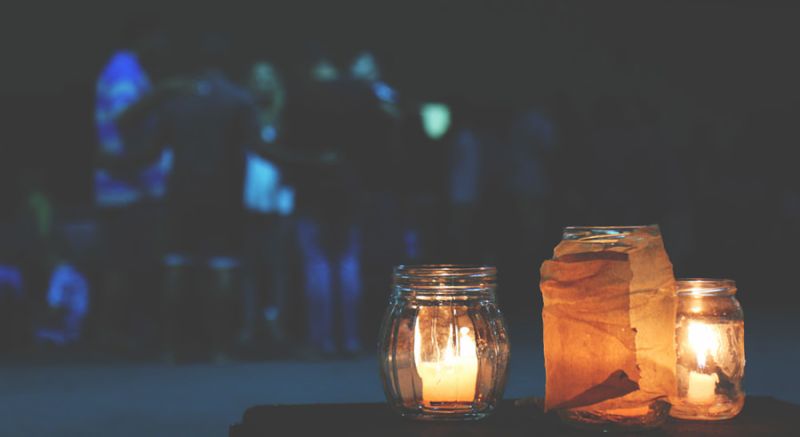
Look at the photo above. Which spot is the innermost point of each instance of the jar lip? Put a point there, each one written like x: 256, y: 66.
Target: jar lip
x: 451, y: 271
x: 612, y: 227
x: 704, y: 286
x: 607, y: 234
x: 445, y: 279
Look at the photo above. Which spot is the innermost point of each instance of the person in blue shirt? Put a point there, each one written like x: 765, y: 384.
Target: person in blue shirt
x: 128, y: 206
x: 122, y: 82
x: 207, y: 121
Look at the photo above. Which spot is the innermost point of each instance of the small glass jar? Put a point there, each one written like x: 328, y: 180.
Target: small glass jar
x: 443, y: 347
x: 709, y: 339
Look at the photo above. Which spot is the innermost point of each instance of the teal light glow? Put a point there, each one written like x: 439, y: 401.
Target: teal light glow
x: 435, y: 119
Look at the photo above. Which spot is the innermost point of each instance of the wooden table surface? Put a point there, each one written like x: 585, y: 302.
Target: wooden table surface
x: 762, y: 416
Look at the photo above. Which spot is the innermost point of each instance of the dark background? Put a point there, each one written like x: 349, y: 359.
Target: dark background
x: 721, y: 77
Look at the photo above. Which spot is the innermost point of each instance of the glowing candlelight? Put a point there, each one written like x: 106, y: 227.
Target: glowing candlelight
x: 710, y: 350
x: 449, y: 375
x: 443, y: 347
x: 704, y: 341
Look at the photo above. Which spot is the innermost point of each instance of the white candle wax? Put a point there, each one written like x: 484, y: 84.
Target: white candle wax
x: 701, y: 388
x: 705, y: 342
x: 451, y: 378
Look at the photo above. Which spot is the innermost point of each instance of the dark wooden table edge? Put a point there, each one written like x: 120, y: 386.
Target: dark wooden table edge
x: 762, y: 415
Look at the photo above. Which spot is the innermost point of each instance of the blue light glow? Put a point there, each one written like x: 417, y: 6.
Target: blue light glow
x: 68, y: 292
x: 11, y: 278
x: 384, y: 92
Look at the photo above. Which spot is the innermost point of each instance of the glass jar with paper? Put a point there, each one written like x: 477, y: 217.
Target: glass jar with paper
x: 609, y: 324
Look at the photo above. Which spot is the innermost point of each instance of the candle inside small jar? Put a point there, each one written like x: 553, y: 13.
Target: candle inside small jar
x: 710, y: 350
x: 449, y: 370
x: 702, y: 388
x: 704, y: 341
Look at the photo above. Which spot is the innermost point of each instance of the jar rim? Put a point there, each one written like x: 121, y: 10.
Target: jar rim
x: 423, y: 271
x: 445, y: 279
x: 611, y: 227
x: 704, y: 286
x: 608, y: 234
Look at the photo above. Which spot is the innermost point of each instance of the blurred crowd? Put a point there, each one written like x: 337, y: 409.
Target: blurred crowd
x: 251, y: 216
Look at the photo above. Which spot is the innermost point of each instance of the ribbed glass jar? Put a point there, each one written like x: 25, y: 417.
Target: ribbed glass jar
x: 710, y: 350
x: 443, y: 347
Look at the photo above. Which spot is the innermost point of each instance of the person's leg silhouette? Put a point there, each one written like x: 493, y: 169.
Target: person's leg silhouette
x: 350, y: 289
x: 318, y: 279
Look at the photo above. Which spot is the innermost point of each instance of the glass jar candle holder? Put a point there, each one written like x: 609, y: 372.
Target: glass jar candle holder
x: 710, y: 350
x: 609, y: 326
x: 443, y: 345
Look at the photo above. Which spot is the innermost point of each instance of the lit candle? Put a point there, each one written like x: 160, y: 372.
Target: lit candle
x: 450, y: 374
x: 709, y: 338
x: 704, y: 341
x: 702, y: 388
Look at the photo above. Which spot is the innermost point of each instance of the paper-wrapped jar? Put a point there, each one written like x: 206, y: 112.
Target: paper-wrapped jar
x: 609, y: 324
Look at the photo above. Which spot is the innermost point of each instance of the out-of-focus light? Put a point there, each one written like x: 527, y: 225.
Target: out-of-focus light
x: 268, y: 134
x: 384, y: 92
x: 262, y: 179
x: 11, y: 277
x: 222, y: 263
x: 69, y: 292
x: 365, y: 67
x: 285, y: 200
x: 176, y: 260
x: 435, y: 119
x: 411, y: 239
x: 324, y: 71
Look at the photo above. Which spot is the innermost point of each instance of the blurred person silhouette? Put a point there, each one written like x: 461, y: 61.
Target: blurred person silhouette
x: 337, y: 120
x: 328, y: 244
x: 124, y: 203
x: 269, y: 203
x: 389, y: 213
x: 570, y: 134
x: 470, y: 164
x: 122, y: 82
x: 364, y: 68
x: 14, y: 299
x: 516, y: 189
x: 25, y: 257
x: 12, y: 262
x: 12, y: 304
x: 41, y: 292
x: 532, y: 143
x: 389, y: 234
x: 425, y: 133
x: 630, y: 176
x: 205, y: 119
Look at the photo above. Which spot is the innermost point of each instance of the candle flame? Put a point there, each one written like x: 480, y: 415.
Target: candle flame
x: 456, y: 349
x: 447, y: 360
x: 704, y: 340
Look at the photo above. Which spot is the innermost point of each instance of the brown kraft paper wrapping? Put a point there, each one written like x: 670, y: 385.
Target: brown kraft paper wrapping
x: 609, y: 323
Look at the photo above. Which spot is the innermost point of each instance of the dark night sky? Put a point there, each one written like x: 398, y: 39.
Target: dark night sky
x: 486, y: 48
x: 694, y: 59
